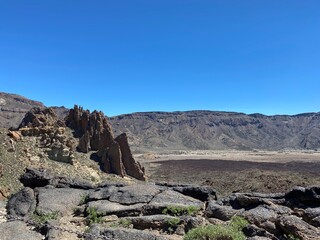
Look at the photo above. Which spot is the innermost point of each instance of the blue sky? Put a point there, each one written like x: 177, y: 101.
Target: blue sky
x: 163, y: 55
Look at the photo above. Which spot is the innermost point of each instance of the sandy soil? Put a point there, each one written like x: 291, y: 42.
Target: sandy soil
x: 254, y: 156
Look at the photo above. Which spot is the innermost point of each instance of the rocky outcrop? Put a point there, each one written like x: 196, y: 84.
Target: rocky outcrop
x: 15, y: 135
x: 139, y: 205
x: 95, y: 134
x: 93, y: 129
x: 132, y: 167
x: 17, y: 230
x: 155, y: 211
x: 45, y: 124
x: 41, y: 118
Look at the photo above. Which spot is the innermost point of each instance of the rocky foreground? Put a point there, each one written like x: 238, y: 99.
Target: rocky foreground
x: 51, y: 207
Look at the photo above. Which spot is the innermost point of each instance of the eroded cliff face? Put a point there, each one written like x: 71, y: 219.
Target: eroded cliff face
x: 95, y: 134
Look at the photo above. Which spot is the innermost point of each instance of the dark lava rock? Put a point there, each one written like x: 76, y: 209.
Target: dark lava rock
x: 123, y: 234
x: 17, y: 230
x: 22, y: 204
x: 36, y: 178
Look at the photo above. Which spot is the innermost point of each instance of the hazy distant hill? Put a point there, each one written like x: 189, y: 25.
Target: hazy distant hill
x: 194, y: 129
x: 219, y: 130
x: 13, y: 108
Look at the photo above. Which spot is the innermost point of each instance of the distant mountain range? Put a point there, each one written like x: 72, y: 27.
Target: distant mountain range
x: 208, y: 130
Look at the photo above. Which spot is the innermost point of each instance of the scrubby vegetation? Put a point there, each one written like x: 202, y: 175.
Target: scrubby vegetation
x: 41, y: 218
x: 232, y: 231
x: 174, y: 210
x: 122, y: 222
x: 172, y: 224
x: 93, y: 216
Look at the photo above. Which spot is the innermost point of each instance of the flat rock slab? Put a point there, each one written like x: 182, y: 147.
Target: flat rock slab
x: 123, y: 234
x: 224, y: 213
x: 18, y: 230
x: 153, y: 221
x: 63, y: 200
x: 105, y: 207
x: 169, y: 198
x: 103, y: 193
x: 132, y: 194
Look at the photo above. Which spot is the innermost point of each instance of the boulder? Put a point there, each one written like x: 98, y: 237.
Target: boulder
x: 36, y: 177
x: 171, y: 198
x: 105, y: 207
x: 224, y: 213
x: 137, y: 193
x: 153, y: 221
x: 58, y: 152
x: 303, y: 197
x: 15, y: 135
x: 255, y: 232
x: 62, y: 200
x: 297, y: 227
x: 122, y: 234
x: 17, y: 230
x: 202, y: 193
x: 22, y: 204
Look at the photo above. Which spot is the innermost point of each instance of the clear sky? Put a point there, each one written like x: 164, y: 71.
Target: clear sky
x: 123, y: 56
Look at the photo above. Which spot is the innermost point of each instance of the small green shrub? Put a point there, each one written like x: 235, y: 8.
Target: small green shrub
x: 41, y: 218
x: 214, y: 232
x: 124, y: 222
x: 84, y: 199
x: 173, y: 224
x: 93, y: 216
x: 238, y: 223
x: 180, y: 210
x: 291, y: 237
x: 233, y: 231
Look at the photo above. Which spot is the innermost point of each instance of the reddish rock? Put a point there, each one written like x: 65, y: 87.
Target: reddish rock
x: 113, y: 156
x: 132, y: 167
x: 40, y: 118
x: 84, y: 143
x: 15, y: 135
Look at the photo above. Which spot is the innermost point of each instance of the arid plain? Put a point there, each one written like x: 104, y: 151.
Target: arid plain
x: 235, y: 171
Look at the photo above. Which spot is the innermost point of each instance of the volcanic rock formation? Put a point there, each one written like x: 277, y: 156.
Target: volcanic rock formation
x: 93, y: 131
x: 95, y: 134
x: 148, y: 211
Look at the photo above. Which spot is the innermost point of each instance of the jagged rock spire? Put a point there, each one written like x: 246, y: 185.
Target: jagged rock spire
x: 95, y: 134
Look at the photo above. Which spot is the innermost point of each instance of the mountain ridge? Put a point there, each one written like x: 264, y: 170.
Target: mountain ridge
x: 194, y: 129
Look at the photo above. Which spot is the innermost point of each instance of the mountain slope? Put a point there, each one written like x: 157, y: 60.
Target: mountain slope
x: 194, y: 129
x: 13, y: 107
x: 219, y: 130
